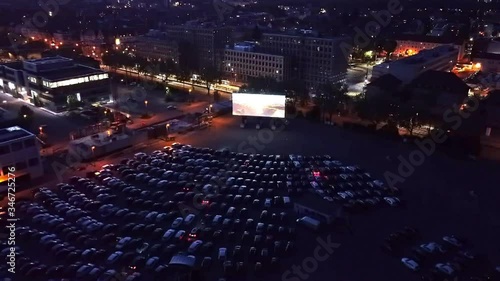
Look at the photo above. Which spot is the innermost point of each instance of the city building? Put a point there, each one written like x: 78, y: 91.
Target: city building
x: 487, y: 62
x: 443, y: 91
x: 486, y: 55
x: 441, y: 58
x: 312, y: 206
x: 19, y: 149
x: 242, y: 61
x: 156, y: 46
x: 54, y: 82
x: 313, y: 59
x: 386, y: 86
x: 205, y: 40
x: 491, y: 106
x: 409, y: 45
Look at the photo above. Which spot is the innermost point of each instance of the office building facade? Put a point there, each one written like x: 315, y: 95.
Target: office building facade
x: 19, y: 154
x: 54, y: 82
x: 442, y: 58
x: 242, y: 62
x: 208, y: 42
x: 156, y: 46
x: 314, y: 60
x: 412, y: 45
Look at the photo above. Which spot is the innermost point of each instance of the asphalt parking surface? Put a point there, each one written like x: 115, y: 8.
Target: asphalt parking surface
x: 437, y: 196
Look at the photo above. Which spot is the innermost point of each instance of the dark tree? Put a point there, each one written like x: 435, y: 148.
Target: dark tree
x: 256, y: 34
x: 25, y: 116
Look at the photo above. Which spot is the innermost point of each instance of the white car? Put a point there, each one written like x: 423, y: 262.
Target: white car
x: 189, y: 219
x: 114, y: 257
x: 140, y: 155
x: 123, y: 242
x: 453, y: 241
x: 259, y: 228
x: 342, y: 194
x: 411, y: 264
x: 445, y: 268
x: 267, y: 203
x: 392, y: 201
x: 195, y: 246
x: 177, y: 222
x: 432, y: 247
x: 168, y: 235
x: 222, y: 254
x: 350, y: 194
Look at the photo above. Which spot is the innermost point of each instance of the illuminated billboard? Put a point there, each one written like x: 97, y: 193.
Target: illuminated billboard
x: 259, y: 105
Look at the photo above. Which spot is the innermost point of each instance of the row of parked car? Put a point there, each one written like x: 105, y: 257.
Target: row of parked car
x: 131, y: 218
x: 349, y: 186
x: 442, y: 260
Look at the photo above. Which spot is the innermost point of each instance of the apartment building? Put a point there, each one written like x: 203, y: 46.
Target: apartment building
x: 156, y: 46
x: 410, y: 45
x: 442, y: 58
x: 313, y: 59
x: 207, y: 41
x: 243, y: 61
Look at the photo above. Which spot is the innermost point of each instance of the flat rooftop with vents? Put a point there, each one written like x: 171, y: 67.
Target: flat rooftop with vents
x: 13, y: 133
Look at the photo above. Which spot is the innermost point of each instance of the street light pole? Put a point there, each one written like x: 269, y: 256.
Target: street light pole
x: 146, y: 104
x: 93, y: 155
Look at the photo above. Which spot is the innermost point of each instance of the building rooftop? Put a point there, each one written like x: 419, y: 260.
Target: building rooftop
x: 15, y: 65
x: 430, y: 39
x: 490, y: 56
x: 48, y: 60
x: 71, y: 72
x: 13, y: 133
x: 423, y: 56
x: 314, y: 201
x: 303, y: 34
x: 433, y: 79
x: 386, y: 82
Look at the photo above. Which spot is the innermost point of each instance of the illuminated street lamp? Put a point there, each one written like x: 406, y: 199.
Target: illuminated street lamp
x: 211, y: 105
x: 25, y: 115
x: 93, y: 151
x: 41, y: 129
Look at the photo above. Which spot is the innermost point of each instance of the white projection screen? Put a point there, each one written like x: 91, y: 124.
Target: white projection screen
x: 259, y: 105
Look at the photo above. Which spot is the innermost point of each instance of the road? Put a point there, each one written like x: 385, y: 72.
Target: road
x: 356, y: 76
x: 196, y: 88
x: 58, y: 127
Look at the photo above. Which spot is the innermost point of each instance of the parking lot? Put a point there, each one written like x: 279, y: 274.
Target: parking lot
x: 229, y: 212
x: 436, y: 201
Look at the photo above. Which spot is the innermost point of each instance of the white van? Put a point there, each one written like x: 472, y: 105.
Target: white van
x: 287, y: 201
x: 309, y: 222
